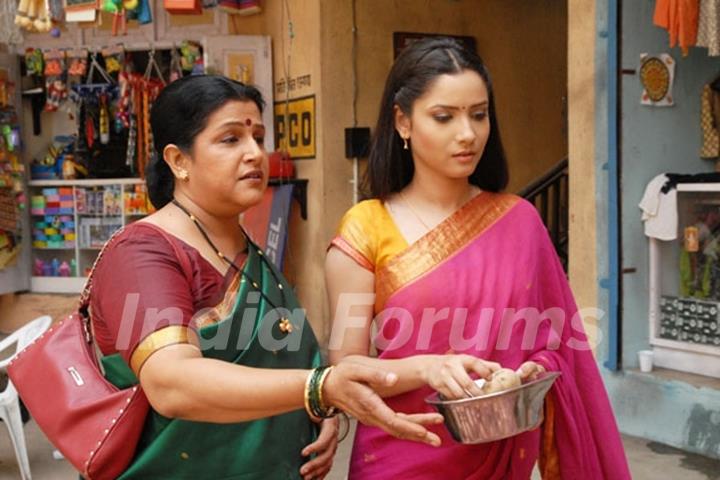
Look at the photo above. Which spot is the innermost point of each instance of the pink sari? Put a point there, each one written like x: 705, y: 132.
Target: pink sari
x: 491, y: 255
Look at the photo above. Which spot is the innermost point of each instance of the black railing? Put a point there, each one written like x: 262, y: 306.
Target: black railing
x: 549, y: 194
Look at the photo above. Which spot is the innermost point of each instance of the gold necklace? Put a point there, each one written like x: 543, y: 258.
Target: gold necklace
x: 410, y: 207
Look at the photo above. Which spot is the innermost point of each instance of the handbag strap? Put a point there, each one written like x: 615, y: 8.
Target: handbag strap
x: 84, y: 302
x: 85, y: 295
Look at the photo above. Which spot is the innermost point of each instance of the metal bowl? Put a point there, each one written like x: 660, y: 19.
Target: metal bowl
x: 497, y: 415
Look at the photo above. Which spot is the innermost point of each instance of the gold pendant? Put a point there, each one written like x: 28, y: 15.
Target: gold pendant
x: 285, y: 326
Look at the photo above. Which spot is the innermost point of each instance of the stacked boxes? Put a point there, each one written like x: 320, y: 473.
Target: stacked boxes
x: 56, y: 227
x: 100, y: 211
x: 137, y: 202
x: 95, y: 231
x: 54, y: 231
x: 99, y: 201
x: 53, y: 201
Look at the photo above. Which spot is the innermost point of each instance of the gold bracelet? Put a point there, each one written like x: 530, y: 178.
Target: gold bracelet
x: 328, y: 411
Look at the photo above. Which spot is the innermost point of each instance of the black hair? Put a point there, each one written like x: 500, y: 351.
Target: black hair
x: 179, y: 114
x: 390, y: 167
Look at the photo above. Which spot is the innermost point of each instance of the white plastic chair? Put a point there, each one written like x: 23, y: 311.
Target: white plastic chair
x: 9, y: 400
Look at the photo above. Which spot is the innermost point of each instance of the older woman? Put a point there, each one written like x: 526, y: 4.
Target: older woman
x: 209, y: 327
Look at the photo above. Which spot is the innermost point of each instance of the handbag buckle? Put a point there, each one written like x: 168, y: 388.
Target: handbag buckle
x: 76, y: 376
x: 86, y: 329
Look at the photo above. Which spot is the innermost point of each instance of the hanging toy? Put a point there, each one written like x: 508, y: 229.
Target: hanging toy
x: 25, y: 11
x: 56, y: 93
x: 54, y: 62
x: 89, y: 131
x: 78, y: 62
x: 112, y: 6
x: 55, y: 88
x: 104, y: 122
x: 122, y: 115
x: 34, y: 16
x: 34, y: 61
x: 117, y: 9
x: 190, y: 54
x: 138, y: 10
x: 114, y: 58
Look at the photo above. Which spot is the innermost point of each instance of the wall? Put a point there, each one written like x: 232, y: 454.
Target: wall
x: 305, y: 257
x: 581, y: 153
x: 654, y: 141
x: 523, y: 44
x: 684, y: 409
x: 530, y: 105
x: 306, y: 251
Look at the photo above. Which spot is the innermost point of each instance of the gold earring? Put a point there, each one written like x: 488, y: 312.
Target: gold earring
x: 405, y: 144
x: 184, y: 176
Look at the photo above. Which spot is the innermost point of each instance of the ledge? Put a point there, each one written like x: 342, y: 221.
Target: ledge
x: 697, y: 381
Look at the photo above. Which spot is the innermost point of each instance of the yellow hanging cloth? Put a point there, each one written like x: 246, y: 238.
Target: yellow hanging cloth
x: 710, y: 135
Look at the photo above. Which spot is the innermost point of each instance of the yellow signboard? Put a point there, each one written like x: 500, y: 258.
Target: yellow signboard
x: 298, y: 136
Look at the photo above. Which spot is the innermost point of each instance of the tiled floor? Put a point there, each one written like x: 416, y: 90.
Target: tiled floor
x: 648, y: 461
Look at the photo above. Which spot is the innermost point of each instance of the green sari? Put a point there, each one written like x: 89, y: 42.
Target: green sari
x: 267, y: 448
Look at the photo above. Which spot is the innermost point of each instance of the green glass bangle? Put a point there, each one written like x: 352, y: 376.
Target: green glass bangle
x: 306, y: 395
x: 315, y: 400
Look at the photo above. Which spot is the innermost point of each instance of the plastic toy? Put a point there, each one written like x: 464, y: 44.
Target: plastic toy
x: 34, y: 63
x: 34, y: 16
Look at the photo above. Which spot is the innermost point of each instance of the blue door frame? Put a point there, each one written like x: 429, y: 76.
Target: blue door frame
x: 612, y: 282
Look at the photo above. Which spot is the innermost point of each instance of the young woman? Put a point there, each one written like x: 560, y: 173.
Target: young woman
x: 208, y: 325
x: 459, y: 279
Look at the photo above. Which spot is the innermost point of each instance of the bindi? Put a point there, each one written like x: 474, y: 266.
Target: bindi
x: 248, y: 122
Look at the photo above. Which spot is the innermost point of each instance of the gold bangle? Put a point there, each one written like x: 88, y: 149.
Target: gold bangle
x: 321, y: 383
x: 307, y: 398
x: 328, y: 411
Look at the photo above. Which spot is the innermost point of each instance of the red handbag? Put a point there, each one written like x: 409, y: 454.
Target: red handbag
x: 94, y: 424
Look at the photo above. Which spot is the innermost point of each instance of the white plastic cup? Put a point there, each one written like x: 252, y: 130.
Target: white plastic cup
x: 645, y: 357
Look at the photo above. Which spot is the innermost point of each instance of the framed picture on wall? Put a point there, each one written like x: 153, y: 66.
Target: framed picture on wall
x: 248, y: 59
x: 403, y: 39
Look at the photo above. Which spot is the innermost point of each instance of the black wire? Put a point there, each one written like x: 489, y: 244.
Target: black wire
x: 230, y: 262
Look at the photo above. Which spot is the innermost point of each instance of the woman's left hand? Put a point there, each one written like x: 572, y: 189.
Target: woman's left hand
x: 324, y: 448
x: 530, y: 371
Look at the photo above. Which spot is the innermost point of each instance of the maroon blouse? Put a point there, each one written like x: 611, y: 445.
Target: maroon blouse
x: 146, y: 280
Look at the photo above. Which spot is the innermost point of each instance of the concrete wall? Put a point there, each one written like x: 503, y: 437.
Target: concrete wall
x: 581, y: 153
x: 308, y: 238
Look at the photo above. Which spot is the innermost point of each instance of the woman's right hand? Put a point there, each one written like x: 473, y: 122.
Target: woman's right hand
x: 350, y: 387
x: 450, y: 375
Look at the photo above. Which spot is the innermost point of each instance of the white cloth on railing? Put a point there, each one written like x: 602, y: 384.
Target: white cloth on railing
x: 659, y: 210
